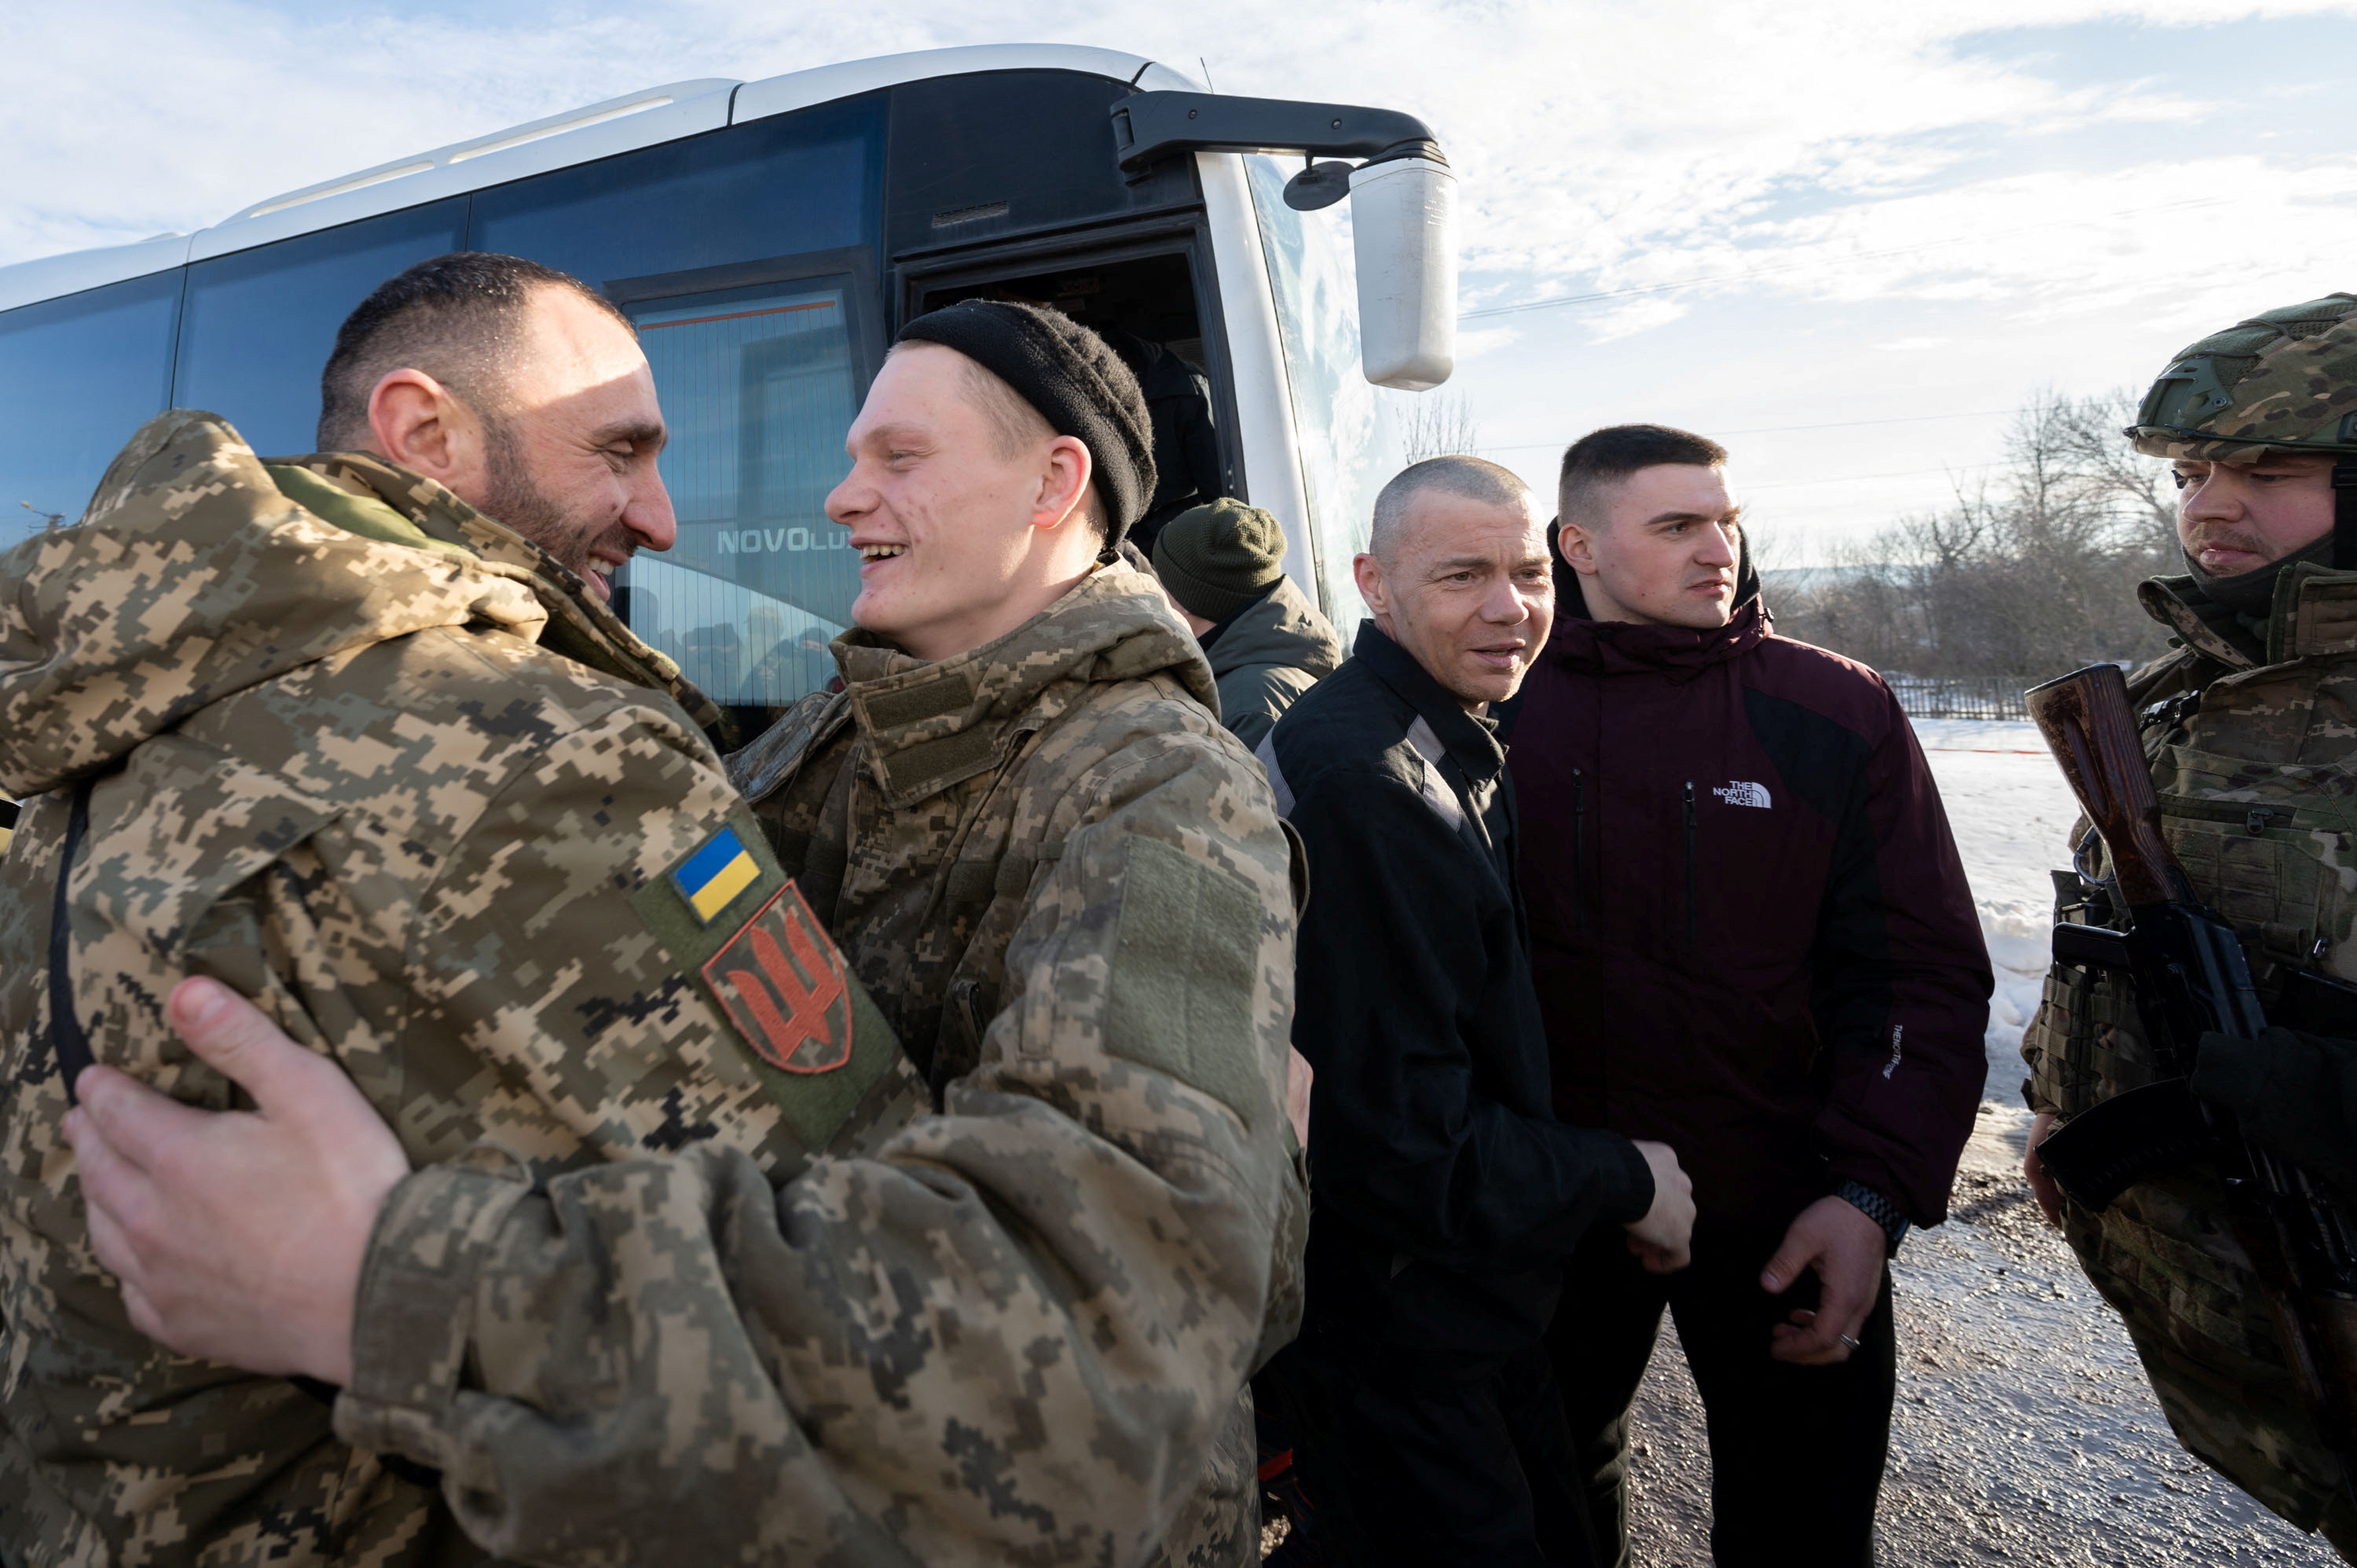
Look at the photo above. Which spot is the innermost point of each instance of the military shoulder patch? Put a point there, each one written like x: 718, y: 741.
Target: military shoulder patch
x: 782, y: 982
x: 729, y: 915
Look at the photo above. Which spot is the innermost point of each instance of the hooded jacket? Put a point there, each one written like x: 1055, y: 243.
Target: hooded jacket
x: 1751, y: 932
x: 1448, y: 1194
x: 1265, y: 655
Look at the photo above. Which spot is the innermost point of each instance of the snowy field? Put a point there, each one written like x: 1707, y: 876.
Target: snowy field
x: 2023, y: 1432
x: 2012, y: 816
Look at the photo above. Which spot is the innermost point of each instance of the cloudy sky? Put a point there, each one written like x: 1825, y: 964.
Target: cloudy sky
x: 1848, y: 238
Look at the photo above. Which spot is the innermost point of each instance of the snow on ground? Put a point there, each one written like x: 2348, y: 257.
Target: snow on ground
x: 2012, y: 816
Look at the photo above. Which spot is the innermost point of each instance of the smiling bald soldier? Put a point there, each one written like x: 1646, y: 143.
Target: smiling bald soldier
x: 1001, y: 1302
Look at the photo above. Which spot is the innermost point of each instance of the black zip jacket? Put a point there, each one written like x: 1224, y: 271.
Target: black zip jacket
x: 1447, y: 1195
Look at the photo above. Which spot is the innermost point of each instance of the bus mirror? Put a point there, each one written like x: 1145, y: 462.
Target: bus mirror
x: 1404, y: 229
x: 1318, y: 187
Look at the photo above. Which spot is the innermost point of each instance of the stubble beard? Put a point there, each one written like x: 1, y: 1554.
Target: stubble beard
x: 515, y: 500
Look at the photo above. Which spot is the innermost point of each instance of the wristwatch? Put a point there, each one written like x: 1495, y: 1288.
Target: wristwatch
x: 1877, y: 1207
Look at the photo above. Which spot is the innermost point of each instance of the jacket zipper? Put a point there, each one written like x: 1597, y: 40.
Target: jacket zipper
x: 1690, y: 864
x: 1579, y: 846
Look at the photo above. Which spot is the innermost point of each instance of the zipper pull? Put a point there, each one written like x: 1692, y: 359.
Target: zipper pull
x: 1690, y: 814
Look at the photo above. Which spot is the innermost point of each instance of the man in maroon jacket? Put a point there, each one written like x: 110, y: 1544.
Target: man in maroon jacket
x: 1753, y: 941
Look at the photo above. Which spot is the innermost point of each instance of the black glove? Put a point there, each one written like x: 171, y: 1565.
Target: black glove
x: 2293, y: 1094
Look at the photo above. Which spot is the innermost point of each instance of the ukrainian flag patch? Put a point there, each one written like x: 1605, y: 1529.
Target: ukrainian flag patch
x: 715, y: 874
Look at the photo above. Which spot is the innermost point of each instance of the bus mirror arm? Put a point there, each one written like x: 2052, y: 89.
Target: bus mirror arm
x: 1403, y: 204
x: 1150, y: 126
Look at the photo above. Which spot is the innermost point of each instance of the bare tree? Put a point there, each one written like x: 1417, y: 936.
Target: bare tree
x: 1437, y: 424
x: 2029, y: 572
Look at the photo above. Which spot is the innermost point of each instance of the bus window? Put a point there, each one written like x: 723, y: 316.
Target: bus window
x: 1349, y: 449
x: 758, y: 385
x: 78, y: 375
x: 260, y: 323
x: 796, y: 183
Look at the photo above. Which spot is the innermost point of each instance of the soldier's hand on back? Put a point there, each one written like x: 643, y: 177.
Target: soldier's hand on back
x: 238, y: 1235
x: 1662, y: 1240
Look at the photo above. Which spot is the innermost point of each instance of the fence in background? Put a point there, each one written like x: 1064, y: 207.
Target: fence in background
x: 1962, y: 696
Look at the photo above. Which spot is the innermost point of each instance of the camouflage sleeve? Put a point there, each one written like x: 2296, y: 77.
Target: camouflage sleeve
x: 1008, y: 1332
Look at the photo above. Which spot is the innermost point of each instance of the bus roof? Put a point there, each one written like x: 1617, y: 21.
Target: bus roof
x: 580, y: 136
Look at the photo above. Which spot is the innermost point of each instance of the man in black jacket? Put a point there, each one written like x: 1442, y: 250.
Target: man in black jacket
x: 1448, y: 1196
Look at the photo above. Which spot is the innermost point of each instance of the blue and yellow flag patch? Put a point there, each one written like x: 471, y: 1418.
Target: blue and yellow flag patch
x: 715, y: 874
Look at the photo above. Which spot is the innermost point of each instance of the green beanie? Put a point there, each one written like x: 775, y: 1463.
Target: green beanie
x: 1219, y: 558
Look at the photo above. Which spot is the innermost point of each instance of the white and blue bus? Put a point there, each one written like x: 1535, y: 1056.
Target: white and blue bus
x: 769, y: 237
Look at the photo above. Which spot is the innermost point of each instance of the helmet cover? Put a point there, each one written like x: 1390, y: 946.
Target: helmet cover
x: 2284, y: 381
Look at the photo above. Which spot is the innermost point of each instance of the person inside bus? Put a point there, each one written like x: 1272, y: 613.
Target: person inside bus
x: 1222, y: 567
x: 1022, y: 1325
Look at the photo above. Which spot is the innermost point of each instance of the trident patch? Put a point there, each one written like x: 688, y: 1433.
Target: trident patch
x: 783, y: 985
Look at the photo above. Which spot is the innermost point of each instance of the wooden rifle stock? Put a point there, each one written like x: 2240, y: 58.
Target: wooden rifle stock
x: 2091, y: 731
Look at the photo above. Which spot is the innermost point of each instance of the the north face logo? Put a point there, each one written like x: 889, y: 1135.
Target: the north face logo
x: 1743, y: 793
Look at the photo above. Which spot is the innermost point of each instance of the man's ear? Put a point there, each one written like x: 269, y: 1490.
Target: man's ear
x: 1368, y: 572
x: 1576, y: 541
x: 417, y: 423
x: 1064, y: 478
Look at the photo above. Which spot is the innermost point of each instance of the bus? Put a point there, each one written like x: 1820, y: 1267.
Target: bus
x: 769, y: 238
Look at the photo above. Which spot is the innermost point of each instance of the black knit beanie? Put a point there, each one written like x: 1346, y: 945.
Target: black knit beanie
x: 1219, y: 558
x: 1073, y: 377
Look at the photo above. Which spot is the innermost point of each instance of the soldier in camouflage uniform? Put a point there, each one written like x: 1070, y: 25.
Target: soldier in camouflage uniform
x: 2251, y: 724
x: 999, y: 1296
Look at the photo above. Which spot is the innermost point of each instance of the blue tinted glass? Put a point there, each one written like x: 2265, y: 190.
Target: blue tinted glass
x: 774, y: 187
x: 259, y: 323
x: 78, y: 375
x: 758, y: 387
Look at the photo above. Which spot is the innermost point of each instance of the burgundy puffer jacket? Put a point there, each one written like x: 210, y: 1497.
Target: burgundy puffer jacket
x: 1751, y: 934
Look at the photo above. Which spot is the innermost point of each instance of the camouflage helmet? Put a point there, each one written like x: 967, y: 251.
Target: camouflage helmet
x: 2284, y: 381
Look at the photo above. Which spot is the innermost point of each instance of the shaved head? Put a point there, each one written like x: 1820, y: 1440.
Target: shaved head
x: 1466, y: 478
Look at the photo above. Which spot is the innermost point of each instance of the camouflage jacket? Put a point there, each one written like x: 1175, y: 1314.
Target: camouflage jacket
x: 2253, y: 737
x: 1007, y: 1316
x: 377, y: 762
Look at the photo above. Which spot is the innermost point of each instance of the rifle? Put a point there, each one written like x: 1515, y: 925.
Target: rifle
x: 2190, y: 978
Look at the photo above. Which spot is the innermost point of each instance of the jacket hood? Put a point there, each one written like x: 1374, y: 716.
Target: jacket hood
x: 197, y: 573
x: 1613, y: 647
x: 930, y: 724
x: 1280, y: 628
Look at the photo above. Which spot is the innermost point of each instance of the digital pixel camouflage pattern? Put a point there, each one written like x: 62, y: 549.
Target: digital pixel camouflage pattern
x: 1010, y: 1331
x: 344, y: 770
x: 2258, y: 795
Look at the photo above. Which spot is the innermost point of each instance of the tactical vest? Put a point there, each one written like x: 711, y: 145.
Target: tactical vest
x: 2255, y: 764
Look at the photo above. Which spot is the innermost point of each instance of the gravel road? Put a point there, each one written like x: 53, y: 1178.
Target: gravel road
x: 2023, y: 1432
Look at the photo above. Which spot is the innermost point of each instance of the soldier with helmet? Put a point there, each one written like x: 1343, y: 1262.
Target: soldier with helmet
x: 2251, y: 727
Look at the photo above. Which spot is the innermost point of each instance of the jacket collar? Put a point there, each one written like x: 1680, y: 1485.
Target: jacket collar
x: 932, y: 724
x: 581, y: 626
x: 1613, y: 647
x: 1471, y: 742
x: 2314, y: 616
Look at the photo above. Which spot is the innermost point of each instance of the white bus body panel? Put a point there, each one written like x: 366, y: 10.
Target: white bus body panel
x: 597, y: 131
x: 28, y: 282
x: 686, y: 109
x: 824, y: 84
x: 1256, y: 362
